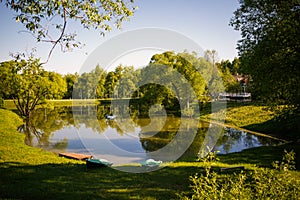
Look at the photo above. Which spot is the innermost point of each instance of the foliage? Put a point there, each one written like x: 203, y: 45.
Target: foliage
x: 261, y: 183
x: 193, y: 75
x: 270, y: 50
x: 70, y: 79
x: 88, y: 84
x: 157, y: 89
x: 193, y: 78
x: 47, y: 20
x: 28, y: 84
x: 211, y: 56
x: 229, y: 69
x: 1, y: 102
x: 127, y: 83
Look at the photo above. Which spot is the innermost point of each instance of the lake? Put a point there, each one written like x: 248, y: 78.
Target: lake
x: 132, y: 138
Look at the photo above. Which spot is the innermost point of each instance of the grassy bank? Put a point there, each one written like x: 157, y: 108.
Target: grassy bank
x: 9, y: 104
x: 250, y: 116
x: 13, y: 149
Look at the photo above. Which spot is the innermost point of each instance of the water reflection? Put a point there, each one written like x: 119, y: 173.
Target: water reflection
x: 233, y: 140
x: 58, y: 130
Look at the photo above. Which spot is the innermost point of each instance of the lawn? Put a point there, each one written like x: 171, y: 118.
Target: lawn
x: 250, y: 116
x: 31, y: 173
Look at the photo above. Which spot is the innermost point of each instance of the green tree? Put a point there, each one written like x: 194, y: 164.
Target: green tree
x: 184, y: 64
x: 228, y: 70
x: 111, y: 82
x: 270, y: 50
x: 87, y: 86
x: 127, y: 84
x: 211, y: 56
x: 28, y: 84
x: 210, y: 74
x: 235, y: 66
x: 155, y: 88
x: 57, y: 86
x: 270, y: 47
x: 6, y: 78
x: 101, y: 74
x: 47, y: 20
x: 70, y: 79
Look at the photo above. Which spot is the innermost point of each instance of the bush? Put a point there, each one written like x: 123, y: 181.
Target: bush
x: 260, y: 183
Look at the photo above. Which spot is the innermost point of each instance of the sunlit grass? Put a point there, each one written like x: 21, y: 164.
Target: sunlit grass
x: 250, y: 116
x: 9, y: 104
x: 13, y: 149
x: 241, y: 115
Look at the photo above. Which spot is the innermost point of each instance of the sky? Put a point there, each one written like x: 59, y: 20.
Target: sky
x: 203, y: 21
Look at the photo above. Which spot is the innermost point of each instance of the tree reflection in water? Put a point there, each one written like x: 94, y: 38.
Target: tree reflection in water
x: 233, y: 140
x: 42, y: 123
x: 154, y: 132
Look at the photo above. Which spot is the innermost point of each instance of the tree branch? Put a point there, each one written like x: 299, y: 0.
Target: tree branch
x: 60, y: 37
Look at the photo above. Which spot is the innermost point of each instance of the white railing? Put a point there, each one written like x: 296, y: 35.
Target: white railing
x: 238, y: 95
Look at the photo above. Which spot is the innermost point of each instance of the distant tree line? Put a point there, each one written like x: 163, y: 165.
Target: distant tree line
x: 198, y: 71
x: 28, y: 84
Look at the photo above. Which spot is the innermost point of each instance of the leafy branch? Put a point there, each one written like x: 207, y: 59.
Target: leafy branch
x: 36, y: 16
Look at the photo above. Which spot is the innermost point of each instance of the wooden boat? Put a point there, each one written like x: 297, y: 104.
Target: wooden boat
x: 96, y: 163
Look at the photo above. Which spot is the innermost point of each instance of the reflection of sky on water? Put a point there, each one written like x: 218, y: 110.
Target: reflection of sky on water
x: 123, y: 141
x: 108, y: 145
x: 235, y: 141
x: 112, y: 146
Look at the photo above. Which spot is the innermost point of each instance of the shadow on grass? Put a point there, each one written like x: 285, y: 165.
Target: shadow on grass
x: 75, y: 181
x: 275, y: 129
x: 268, y: 127
x: 262, y: 156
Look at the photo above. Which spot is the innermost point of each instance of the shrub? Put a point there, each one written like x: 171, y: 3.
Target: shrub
x: 260, y: 183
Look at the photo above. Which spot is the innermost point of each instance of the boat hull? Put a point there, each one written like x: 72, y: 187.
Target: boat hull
x: 96, y: 163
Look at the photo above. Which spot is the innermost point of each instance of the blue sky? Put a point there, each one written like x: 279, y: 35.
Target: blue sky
x: 203, y: 21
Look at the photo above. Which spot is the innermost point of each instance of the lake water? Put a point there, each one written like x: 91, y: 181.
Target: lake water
x: 132, y: 139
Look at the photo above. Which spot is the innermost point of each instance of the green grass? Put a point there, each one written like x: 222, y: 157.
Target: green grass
x: 31, y: 173
x: 250, y: 116
x: 9, y: 104
x: 241, y: 114
x: 13, y: 149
